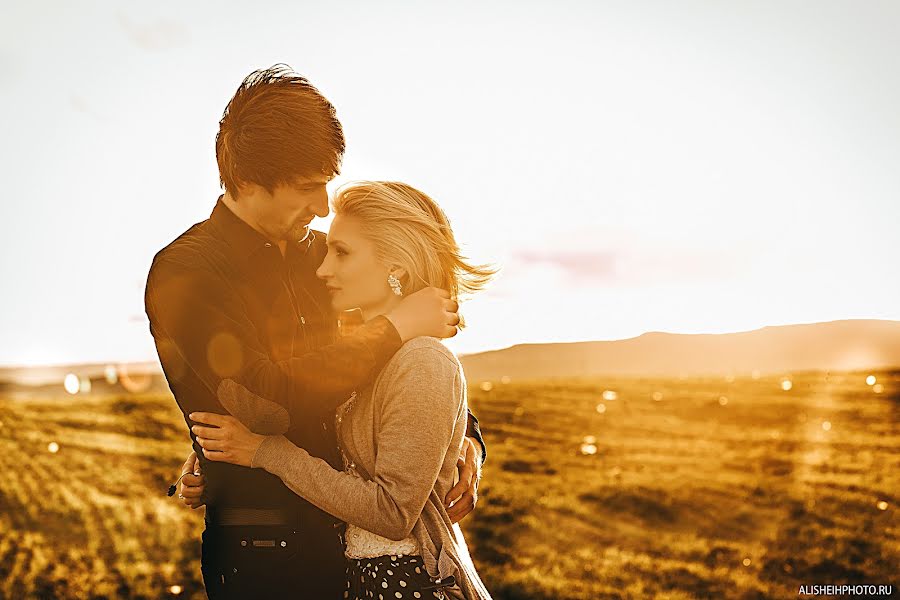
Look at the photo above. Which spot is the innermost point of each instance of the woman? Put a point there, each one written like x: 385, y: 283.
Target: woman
x: 401, y: 435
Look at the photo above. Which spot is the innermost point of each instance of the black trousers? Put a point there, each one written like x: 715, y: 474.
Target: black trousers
x: 268, y: 562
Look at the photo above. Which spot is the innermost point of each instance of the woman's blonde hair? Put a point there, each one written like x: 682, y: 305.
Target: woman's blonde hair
x: 410, y: 230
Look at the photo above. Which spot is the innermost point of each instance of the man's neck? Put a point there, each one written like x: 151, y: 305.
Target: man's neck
x: 242, y: 212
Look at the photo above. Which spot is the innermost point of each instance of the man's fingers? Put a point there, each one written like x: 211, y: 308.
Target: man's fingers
x: 188, y: 466
x: 467, y: 474
x: 191, y: 480
x: 462, y: 508
x: 456, y: 492
x: 192, y: 492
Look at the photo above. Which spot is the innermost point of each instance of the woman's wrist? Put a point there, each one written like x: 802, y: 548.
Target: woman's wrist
x: 266, y: 455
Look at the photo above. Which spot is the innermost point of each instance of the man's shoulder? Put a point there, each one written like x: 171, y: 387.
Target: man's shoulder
x: 191, y: 248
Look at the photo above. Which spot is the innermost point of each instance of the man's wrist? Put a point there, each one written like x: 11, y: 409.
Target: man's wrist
x: 400, y: 327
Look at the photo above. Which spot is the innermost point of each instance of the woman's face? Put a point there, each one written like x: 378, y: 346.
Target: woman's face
x: 353, y: 275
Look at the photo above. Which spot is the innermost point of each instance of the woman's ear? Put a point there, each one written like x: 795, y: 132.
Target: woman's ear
x: 398, y: 272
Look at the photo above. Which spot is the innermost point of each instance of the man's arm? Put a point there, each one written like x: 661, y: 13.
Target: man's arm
x: 200, y: 324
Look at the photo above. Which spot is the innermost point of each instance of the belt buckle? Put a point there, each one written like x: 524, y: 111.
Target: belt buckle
x: 263, y: 543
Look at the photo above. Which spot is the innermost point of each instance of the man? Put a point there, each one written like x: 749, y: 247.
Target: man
x: 234, y: 303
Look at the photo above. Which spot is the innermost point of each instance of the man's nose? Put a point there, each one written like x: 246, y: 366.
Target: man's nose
x: 320, y: 206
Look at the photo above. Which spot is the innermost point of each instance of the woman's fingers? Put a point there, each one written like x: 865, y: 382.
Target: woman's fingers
x: 214, y: 456
x: 210, y: 433
x: 209, y: 418
x: 208, y: 444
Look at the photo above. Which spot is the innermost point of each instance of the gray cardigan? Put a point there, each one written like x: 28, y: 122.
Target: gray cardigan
x: 404, y: 431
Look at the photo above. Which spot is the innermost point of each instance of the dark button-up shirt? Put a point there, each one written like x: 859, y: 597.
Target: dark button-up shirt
x: 225, y: 304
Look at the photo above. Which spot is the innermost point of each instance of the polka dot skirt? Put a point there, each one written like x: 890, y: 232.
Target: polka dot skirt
x: 389, y: 578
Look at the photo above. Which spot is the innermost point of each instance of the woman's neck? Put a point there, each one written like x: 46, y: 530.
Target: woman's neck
x: 387, y: 305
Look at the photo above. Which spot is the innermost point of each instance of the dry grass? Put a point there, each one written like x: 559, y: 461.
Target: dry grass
x: 680, y: 494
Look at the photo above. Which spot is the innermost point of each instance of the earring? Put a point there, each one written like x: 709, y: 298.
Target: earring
x: 395, y: 284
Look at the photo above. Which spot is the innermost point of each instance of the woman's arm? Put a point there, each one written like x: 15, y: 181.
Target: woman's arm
x: 421, y: 407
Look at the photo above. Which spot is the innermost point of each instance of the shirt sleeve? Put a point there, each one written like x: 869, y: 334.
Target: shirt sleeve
x: 473, y: 430
x: 201, y: 325
x: 418, y: 419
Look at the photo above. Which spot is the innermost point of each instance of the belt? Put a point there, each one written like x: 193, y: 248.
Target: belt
x: 231, y: 517
x: 250, y: 516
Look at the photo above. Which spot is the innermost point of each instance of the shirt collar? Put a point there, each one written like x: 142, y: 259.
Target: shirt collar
x: 245, y: 240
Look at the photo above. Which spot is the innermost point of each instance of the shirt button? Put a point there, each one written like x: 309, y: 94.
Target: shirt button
x: 303, y: 319
x: 268, y: 245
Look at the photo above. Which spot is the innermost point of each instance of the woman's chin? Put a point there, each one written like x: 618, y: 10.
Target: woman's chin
x: 339, y: 306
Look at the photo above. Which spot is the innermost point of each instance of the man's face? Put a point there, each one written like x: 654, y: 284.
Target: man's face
x: 284, y: 215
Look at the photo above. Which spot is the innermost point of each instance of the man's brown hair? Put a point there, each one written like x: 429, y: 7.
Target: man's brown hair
x: 277, y: 127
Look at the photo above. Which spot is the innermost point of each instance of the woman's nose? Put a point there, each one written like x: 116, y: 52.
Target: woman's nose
x: 323, y: 272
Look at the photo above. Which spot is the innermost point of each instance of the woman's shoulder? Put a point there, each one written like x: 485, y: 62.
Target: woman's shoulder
x: 422, y: 344
x: 427, y: 349
x: 422, y: 356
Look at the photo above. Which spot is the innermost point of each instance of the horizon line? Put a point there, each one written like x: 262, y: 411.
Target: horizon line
x: 155, y: 360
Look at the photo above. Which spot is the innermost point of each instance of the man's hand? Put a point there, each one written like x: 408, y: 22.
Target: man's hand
x: 464, y: 494
x: 193, y: 484
x: 428, y: 312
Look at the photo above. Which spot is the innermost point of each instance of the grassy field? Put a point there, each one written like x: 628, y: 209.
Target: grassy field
x: 676, y: 488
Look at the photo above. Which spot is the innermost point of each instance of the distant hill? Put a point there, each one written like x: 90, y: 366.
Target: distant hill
x: 833, y: 345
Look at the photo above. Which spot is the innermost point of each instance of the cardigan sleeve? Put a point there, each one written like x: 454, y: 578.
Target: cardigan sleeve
x: 422, y: 401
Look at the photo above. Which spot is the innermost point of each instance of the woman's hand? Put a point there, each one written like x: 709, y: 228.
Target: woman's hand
x: 228, y: 440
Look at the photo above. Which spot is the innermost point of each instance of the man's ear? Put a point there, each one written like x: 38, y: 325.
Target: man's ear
x: 243, y: 189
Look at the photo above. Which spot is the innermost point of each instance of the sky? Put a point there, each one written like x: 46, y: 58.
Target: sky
x: 693, y: 167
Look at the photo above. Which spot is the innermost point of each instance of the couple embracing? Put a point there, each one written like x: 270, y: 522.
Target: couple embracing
x: 333, y: 464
